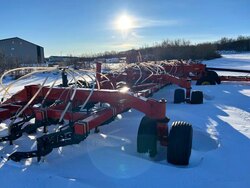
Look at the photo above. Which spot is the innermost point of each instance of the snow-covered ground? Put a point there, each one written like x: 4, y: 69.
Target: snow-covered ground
x: 231, y: 61
x: 220, y: 153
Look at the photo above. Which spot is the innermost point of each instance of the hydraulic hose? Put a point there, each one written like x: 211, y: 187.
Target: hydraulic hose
x: 71, y: 98
x: 23, y: 68
x: 12, y: 83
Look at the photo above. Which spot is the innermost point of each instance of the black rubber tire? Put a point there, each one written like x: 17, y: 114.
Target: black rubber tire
x: 147, y: 136
x: 179, y: 96
x: 214, y: 76
x: 209, y: 78
x: 180, y: 143
x: 204, y: 81
x: 196, y: 97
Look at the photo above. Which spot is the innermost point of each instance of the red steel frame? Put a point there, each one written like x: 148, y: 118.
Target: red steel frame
x: 119, y: 102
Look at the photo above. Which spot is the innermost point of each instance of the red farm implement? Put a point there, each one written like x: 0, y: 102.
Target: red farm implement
x: 94, y: 99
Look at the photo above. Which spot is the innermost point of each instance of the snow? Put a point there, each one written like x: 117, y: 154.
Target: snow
x: 231, y: 61
x: 220, y: 153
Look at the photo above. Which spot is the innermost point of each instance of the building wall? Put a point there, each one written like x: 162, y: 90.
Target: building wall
x: 21, y: 51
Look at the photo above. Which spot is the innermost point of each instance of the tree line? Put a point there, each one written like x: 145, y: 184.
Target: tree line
x: 229, y: 44
x: 182, y: 49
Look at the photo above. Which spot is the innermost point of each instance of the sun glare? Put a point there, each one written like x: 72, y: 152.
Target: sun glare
x: 124, y: 23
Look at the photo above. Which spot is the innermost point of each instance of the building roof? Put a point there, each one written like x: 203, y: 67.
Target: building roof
x: 19, y: 39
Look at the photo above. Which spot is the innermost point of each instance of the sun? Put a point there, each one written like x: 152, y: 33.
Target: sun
x: 124, y: 23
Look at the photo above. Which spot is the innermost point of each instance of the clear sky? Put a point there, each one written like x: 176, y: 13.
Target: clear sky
x: 77, y: 27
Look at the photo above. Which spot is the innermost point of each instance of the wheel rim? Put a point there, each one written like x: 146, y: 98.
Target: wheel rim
x: 206, y: 83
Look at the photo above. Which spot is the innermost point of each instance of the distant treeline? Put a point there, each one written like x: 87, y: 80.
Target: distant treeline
x: 179, y: 49
x: 168, y: 49
x: 229, y: 44
x: 182, y: 49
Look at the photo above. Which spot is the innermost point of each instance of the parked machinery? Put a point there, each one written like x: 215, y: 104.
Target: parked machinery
x: 93, y: 99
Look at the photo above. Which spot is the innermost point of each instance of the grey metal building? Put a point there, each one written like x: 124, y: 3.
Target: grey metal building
x: 21, y: 51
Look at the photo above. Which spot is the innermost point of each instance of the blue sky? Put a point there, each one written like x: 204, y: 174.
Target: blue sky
x: 78, y: 27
